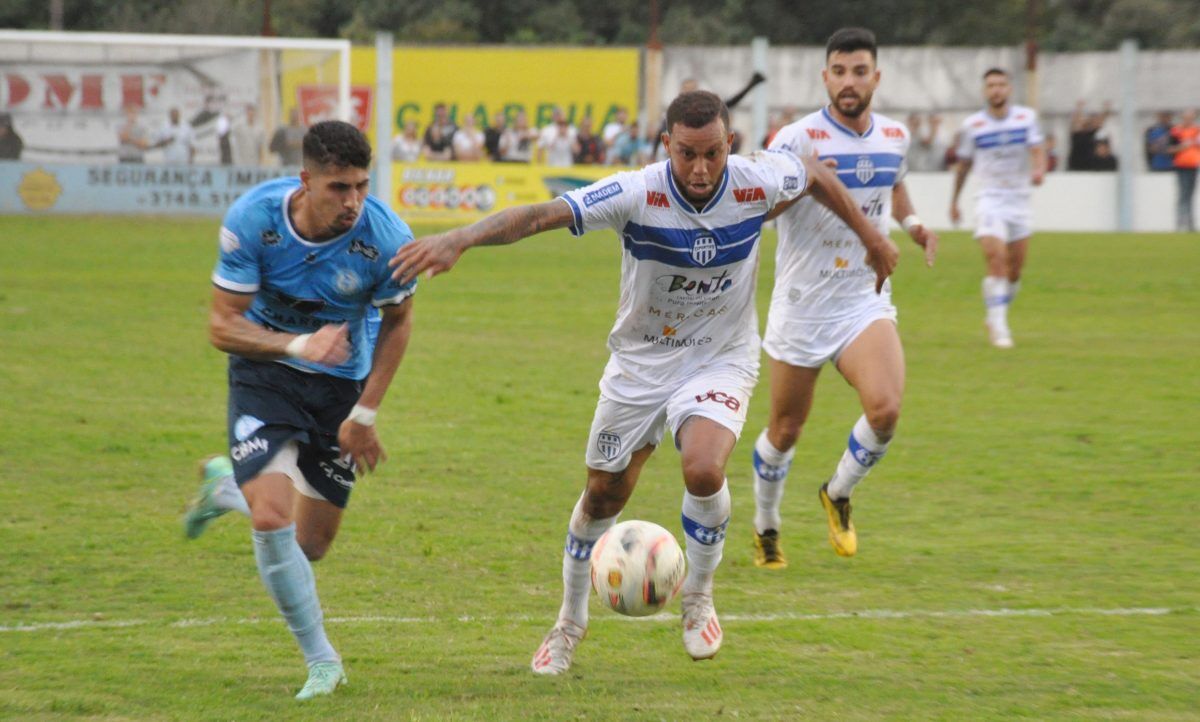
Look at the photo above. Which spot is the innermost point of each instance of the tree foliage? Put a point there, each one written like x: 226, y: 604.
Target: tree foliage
x: 1060, y: 24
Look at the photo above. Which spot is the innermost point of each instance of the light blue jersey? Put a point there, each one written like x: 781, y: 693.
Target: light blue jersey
x: 298, y: 285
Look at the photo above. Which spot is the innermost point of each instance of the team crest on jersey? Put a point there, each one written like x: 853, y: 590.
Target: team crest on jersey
x: 608, y: 444
x: 346, y: 282
x: 371, y: 253
x: 864, y: 170
x: 270, y: 238
x: 704, y: 249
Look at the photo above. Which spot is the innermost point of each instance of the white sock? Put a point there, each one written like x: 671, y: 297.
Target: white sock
x: 704, y: 522
x: 582, y: 533
x: 770, y: 474
x: 229, y: 496
x: 863, y: 451
x: 1013, y: 287
x: 995, y: 298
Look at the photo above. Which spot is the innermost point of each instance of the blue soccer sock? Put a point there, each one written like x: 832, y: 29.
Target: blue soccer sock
x: 289, y: 579
x: 770, y: 474
x: 863, y: 450
x: 582, y: 533
x: 704, y: 521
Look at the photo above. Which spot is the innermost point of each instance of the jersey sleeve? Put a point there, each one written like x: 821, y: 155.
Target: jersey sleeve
x: 783, y: 175
x: 905, y: 147
x: 791, y: 139
x: 1034, y: 137
x: 388, y: 291
x: 966, y: 142
x: 607, y: 203
x: 238, y: 269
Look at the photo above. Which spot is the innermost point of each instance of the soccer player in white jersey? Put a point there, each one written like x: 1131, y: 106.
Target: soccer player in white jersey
x: 1005, y: 146
x: 824, y: 307
x: 685, y: 344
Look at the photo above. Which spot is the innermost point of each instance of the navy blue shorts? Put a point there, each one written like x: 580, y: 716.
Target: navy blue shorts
x: 271, y: 404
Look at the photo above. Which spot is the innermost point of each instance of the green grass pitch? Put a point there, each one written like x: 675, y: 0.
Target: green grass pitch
x: 1028, y: 549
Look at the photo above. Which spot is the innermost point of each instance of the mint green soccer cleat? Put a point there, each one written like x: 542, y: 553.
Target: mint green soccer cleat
x: 323, y: 678
x: 203, y: 508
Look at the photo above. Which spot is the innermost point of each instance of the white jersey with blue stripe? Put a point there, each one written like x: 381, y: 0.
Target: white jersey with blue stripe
x: 821, y: 271
x: 999, y: 150
x: 298, y: 285
x: 687, y: 275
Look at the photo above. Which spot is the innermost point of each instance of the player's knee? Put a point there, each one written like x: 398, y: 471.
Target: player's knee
x: 268, y: 517
x: 606, y: 497
x: 703, y: 477
x: 883, y: 416
x: 784, y: 432
x: 314, y: 548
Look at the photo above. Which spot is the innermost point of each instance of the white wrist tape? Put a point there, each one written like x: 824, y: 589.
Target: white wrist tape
x: 295, y: 347
x: 910, y: 222
x: 362, y: 415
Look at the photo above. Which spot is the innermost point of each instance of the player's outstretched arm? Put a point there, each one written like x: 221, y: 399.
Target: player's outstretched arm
x: 230, y: 331
x: 356, y: 436
x: 438, y: 254
x: 882, y: 254
x: 906, y: 215
x: 1037, y: 163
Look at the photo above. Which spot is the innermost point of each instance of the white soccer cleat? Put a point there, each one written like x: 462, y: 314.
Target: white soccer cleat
x: 702, y: 633
x: 558, y: 648
x: 999, y: 334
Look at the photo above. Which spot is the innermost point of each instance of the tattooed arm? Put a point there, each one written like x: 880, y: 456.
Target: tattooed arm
x: 438, y: 254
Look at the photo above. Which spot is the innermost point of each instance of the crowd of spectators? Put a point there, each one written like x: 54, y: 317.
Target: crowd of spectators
x: 559, y: 143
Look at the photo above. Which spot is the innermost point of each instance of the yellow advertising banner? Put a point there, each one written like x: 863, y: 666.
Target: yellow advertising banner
x: 481, y: 81
x: 458, y: 193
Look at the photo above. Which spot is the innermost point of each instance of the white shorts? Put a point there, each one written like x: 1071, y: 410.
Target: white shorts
x: 621, y: 427
x: 812, y: 344
x: 1009, y: 219
x: 285, y: 463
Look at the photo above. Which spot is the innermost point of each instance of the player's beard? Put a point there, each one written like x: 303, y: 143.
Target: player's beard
x: 864, y: 102
x: 998, y: 104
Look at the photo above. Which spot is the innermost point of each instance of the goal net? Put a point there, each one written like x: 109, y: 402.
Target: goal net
x: 69, y: 94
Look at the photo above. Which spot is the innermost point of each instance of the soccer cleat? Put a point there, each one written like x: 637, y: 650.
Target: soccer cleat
x: 999, y: 334
x: 323, y: 678
x: 841, y: 530
x: 768, y: 551
x: 558, y: 648
x: 203, y: 508
x: 702, y: 633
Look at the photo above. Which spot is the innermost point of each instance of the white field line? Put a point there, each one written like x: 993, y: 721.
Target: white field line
x: 748, y: 618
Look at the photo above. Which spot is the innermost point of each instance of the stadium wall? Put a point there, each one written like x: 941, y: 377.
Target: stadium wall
x: 463, y: 192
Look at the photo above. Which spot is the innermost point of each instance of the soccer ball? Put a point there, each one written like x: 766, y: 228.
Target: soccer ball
x: 637, y: 567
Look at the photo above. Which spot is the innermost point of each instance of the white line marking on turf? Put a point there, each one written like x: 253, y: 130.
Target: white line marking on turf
x: 780, y: 617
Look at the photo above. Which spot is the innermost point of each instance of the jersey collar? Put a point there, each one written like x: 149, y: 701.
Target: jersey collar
x: 685, y: 203
x: 287, y: 221
x: 848, y: 131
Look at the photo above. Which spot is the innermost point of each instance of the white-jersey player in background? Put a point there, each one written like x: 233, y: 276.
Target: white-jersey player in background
x: 825, y: 307
x: 685, y: 344
x: 1003, y: 144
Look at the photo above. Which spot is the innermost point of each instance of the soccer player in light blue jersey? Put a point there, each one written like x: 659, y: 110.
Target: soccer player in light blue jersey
x: 303, y: 261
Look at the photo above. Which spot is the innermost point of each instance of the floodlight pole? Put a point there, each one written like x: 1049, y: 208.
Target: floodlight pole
x: 1032, y: 12
x: 383, y: 117
x: 1128, y: 146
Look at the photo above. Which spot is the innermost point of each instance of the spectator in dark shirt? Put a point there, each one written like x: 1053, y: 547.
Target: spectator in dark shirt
x: 588, y: 147
x: 11, y: 144
x: 1158, y: 144
x: 438, y: 143
x: 491, y: 136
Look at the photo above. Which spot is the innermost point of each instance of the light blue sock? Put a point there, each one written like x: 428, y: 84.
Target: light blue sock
x: 288, y: 577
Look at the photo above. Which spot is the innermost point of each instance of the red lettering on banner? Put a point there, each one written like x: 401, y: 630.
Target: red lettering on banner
x: 657, y: 199
x: 58, y: 91
x: 749, y: 195
x: 18, y: 90
x: 818, y: 134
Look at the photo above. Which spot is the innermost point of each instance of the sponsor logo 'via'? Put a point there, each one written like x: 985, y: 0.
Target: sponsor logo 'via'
x: 749, y: 195
x: 657, y: 199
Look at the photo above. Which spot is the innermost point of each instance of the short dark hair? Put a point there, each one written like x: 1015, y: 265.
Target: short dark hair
x: 847, y: 40
x: 994, y: 71
x: 338, y: 143
x: 697, y: 109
